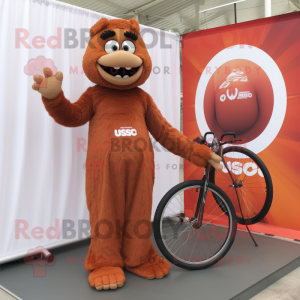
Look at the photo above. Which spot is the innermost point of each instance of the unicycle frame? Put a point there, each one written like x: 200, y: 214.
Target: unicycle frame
x: 216, y: 147
x: 201, y: 199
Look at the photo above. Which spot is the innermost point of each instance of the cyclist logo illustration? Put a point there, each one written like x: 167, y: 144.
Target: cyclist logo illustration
x: 232, y: 77
x: 236, y: 104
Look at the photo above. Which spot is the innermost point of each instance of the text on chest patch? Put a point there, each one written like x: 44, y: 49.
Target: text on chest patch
x: 125, y: 131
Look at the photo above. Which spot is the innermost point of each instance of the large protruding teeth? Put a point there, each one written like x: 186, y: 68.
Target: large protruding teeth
x: 120, y: 72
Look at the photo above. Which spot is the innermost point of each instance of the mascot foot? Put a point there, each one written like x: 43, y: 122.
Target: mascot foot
x: 106, y: 278
x: 156, y: 267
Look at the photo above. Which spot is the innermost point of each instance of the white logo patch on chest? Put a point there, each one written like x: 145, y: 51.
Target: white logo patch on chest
x: 125, y: 131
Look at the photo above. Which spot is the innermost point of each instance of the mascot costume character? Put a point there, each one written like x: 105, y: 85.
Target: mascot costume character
x: 119, y: 112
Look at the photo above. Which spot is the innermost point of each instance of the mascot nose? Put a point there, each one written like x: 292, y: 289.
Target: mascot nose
x: 120, y: 58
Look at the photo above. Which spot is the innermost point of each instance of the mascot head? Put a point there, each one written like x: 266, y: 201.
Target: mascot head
x: 116, y: 56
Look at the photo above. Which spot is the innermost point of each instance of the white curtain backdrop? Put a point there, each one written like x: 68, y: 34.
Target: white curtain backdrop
x: 42, y: 176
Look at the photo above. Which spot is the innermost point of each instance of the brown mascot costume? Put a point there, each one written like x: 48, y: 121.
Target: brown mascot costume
x: 119, y: 177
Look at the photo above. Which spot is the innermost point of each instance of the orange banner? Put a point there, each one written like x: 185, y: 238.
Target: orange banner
x: 245, y: 78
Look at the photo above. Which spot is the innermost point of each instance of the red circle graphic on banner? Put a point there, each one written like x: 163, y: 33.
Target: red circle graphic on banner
x: 239, y: 97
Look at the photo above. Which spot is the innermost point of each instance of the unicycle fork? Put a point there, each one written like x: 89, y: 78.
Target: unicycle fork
x: 198, y: 217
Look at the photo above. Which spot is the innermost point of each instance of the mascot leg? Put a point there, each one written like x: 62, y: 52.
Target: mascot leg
x: 106, y: 204
x: 139, y: 255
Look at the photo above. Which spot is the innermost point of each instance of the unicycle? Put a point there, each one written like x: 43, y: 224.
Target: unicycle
x: 195, y: 223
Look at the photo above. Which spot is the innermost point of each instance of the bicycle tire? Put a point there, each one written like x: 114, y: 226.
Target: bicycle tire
x: 269, y: 186
x: 158, y: 220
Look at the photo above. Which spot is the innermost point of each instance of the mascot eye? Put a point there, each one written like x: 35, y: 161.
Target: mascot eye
x: 111, y: 46
x: 128, y: 46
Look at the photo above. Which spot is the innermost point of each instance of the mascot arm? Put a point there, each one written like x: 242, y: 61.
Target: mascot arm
x: 70, y: 114
x: 172, y: 139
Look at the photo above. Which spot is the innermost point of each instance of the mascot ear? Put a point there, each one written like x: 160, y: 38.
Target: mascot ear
x: 134, y: 26
x: 100, y: 25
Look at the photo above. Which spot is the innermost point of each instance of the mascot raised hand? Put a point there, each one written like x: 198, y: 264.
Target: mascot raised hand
x: 119, y: 177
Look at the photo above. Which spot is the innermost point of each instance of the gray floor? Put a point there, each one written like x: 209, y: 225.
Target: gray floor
x: 286, y: 288
x: 224, y: 281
